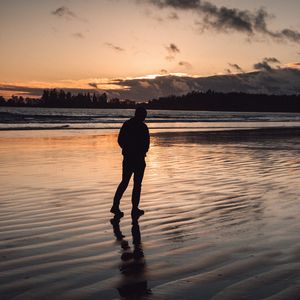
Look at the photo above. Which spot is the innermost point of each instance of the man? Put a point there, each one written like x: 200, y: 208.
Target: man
x: 134, y: 140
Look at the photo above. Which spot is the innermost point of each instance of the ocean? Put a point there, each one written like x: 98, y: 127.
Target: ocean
x: 23, y: 118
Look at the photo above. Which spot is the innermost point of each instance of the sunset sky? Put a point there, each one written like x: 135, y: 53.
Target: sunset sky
x: 120, y: 46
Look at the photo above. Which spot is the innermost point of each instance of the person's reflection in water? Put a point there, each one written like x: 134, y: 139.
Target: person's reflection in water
x: 133, y: 284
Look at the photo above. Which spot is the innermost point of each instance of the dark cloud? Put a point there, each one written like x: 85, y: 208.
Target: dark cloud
x: 78, y: 35
x: 183, y: 4
x: 21, y: 90
x: 279, y: 81
x: 163, y: 71
x: 226, y: 19
x: 271, y: 60
x: 287, y: 34
x: 266, y: 64
x: 185, y: 64
x: 94, y: 85
x: 172, y: 49
x: 65, y: 12
x: 117, y: 48
x: 236, y: 67
x: 262, y: 66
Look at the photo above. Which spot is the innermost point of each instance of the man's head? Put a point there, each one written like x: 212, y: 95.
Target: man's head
x: 140, y: 113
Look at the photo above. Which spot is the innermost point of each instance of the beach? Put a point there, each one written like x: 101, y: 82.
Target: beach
x: 222, y: 216
x: 150, y: 150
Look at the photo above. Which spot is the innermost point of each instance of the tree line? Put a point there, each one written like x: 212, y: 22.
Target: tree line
x: 55, y: 98
x: 235, y: 101
x: 210, y: 100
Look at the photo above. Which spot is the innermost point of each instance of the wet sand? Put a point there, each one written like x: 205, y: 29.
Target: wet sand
x: 221, y: 222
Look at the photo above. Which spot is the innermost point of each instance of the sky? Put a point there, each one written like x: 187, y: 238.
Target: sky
x: 143, y: 49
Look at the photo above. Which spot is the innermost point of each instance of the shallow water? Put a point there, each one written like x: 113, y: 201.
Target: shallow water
x: 30, y: 118
x: 221, y: 222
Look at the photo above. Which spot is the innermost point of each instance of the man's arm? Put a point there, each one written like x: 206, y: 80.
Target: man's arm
x: 147, y: 139
x: 121, y: 137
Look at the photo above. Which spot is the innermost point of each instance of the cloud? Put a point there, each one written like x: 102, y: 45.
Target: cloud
x: 279, y: 81
x: 170, y: 57
x: 262, y: 66
x: 163, y: 71
x: 236, y: 67
x: 295, y: 65
x: 185, y: 64
x: 145, y: 84
x: 266, y: 64
x: 78, y: 35
x: 286, y: 34
x: 93, y: 84
x: 173, y: 16
x: 154, y: 16
x: 225, y: 19
x: 114, y: 47
x: 172, y: 49
x: 20, y: 90
x: 64, y: 12
x: 271, y: 60
x: 182, y: 4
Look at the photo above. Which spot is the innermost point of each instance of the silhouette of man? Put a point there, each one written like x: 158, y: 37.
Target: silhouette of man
x: 134, y: 140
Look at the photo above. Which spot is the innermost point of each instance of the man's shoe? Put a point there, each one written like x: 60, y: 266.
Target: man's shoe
x: 117, y: 212
x: 136, y: 212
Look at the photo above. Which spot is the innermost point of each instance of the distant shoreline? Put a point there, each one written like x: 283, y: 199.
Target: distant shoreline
x: 192, y: 101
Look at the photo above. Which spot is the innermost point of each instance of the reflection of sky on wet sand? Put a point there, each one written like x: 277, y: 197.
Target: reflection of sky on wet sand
x: 234, y: 175
x: 217, y: 198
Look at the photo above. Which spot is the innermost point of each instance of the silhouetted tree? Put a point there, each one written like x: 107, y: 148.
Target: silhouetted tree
x: 103, y: 99
x: 2, y: 101
x: 16, y: 101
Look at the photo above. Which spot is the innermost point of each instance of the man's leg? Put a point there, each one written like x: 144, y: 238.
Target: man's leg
x: 127, y: 171
x: 137, y: 183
